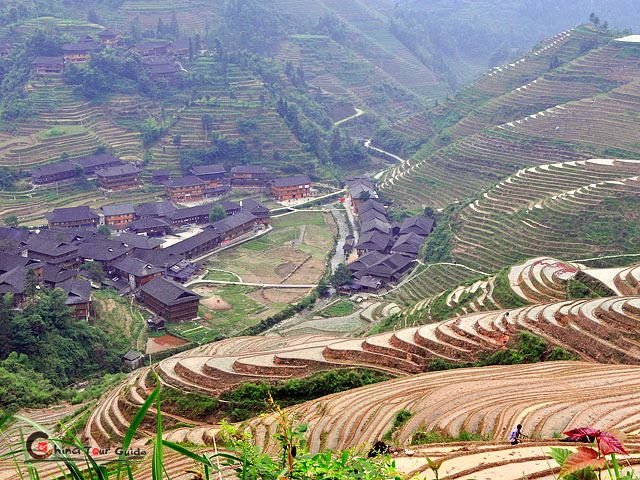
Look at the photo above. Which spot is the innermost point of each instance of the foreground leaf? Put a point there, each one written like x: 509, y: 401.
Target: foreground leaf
x: 583, y: 458
x: 609, y: 443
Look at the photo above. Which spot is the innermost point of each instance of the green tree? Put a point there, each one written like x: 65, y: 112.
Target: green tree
x: 341, y: 276
x: 217, y: 213
x: 30, y: 283
x: 104, y: 230
x: 93, y: 270
x: 11, y: 220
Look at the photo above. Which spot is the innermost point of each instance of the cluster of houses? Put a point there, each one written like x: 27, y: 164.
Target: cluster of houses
x: 208, y: 181
x: 204, y: 181
x: 133, y: 262
x: 386, y: 249
x: 158, y: 56
x: 110, y: 172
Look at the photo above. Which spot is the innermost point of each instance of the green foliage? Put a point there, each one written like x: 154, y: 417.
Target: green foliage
x: 109, y: 72
x: 584, y: 288
x: 438, y: 245
x: 47, y: 349
x: 401, y: 418
x: 188, y: 404
x: 529, y: 349
x: 93, y: 270
x: 217, y: 213
x: 151, y: 131
x: 341, y: 276
x: 248, y: 400
x: 11, y: 220
x: 422, y: 437
x: 340, y: 308
x: 504, y: 294
x: 227, y: 152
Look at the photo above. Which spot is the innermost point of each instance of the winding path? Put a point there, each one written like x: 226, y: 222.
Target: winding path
x: 355, y: 115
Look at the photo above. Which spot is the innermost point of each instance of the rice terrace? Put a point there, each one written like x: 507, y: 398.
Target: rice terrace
x: 319, y: 239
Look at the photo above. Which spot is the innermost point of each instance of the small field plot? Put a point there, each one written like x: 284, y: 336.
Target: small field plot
x: 116, y: 315
x: 293, y: 253
x: 226, y: 310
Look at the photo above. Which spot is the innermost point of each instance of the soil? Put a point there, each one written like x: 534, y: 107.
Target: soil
x: 216, y: 303
x: 165, y: 342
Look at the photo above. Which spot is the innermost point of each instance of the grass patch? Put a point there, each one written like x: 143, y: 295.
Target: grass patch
x: 401, y: 418
x: 249, y: 399
x: 188, y: 404
x: 503, y: 293
x: 221, y: 276
x: 341, y: 308
x: 433, y: 436
x: 60, y: 131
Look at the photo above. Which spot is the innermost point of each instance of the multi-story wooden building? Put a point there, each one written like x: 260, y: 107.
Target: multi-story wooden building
x: 48, y: 65
x: 78, y: 297
x: 109, y: 38
x: 79, y: 52
x: 71, y: 217
x: 121, y: 177
x: 198, y: 245
x: 186, y: 189
x: 136, y: 271
x: 161, y: 69
x: 153, y: 227
x: 170, y: 300
x: 290, y: 188
x: 117, y: 217
x: 255, y: 208
x: 190, y: 215
x: 149, y: 48
x: 54, y: 172
x: 249, y: 175
x: 212, y: 174
x: 235, y: 225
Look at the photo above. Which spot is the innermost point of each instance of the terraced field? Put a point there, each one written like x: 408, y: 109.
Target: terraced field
x: 600, y: 330
x: 487, y: 401
x: 560, y: 133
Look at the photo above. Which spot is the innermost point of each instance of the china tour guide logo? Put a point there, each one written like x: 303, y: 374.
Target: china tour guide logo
x: 41, y: 449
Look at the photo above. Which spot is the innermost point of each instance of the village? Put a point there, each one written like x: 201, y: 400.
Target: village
x: 149, y: 251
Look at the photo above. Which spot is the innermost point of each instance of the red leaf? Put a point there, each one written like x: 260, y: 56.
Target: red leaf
x: 583, y: 458
x: 582, y: 433
x: 609, y: 444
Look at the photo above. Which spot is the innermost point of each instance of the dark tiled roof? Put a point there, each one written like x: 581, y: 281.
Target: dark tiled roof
x: 132, y: 355
x: 72, y: 214
x: 122, y: 209
x: 252, y: 206
x: 48, y: 247
x: 102, y: 250
x: 84, y: 46
x: 233, y: 222
x: 139, y: 241
x: 91, y: 163
x: 229, y: 206
x: 135, y: 266
x: 162, y: 69
x: 9, y: 261
x: 422, y: 225
x: 374, y: 240
x: 18, y: 235
x: 372, y: 214
x: 148, y: 223
x: 152, y: 44
x: 371, y: 204
x: 78, y: 291
x: 54, y: 274
x: 197, y: 211
x: 53, y: 169
x: 49, y: 61
x: 188, y: 181
x: 160, y: 258
x: 14, y: 280
x: 118, y: 170
x: 205, y: 237
x: 291, y: 181
x: 108, y: 33
x: 375, y: 225
x: 155, y: 209
x: 168, y: 292
x: 249, y: 169
x: 215, y: 169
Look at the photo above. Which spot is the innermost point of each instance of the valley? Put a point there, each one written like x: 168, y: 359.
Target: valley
x: 320, y: 226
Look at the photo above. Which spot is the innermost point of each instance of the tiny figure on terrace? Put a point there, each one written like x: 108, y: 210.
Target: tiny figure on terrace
x: 515, y: 435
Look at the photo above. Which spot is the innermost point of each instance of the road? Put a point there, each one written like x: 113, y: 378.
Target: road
x: 341, y: 218
x: 248, y: 284
x: 344, y: 120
